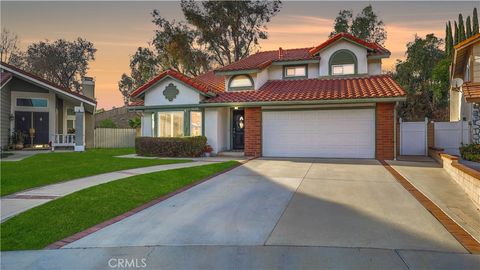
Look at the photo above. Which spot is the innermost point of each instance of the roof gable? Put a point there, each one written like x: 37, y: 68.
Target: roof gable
x: 374, y: 48
x: 197, y: 84
x: 44, y: 83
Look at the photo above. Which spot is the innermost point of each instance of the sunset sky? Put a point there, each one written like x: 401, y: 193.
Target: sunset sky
x: 118, y: 28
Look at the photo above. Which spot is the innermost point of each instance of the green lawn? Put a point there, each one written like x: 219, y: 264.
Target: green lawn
x: 55, y: 220
x: 48, y: 168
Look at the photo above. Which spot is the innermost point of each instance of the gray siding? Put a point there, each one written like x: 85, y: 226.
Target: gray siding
x: 5, y: 115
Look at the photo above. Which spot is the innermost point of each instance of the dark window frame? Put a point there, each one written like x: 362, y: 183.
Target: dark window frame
x: 295, y: 77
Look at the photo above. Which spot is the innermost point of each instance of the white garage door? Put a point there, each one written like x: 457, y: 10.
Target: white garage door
x: 319, y: 133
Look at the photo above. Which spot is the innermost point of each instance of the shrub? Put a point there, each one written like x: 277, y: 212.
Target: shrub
x: 170, y: 147
x: 470, y: 152
x: 107, y: 123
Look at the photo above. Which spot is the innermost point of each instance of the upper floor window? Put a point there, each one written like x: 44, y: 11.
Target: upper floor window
x: 295, y: 71
x: 343, y: 62
x: 240, y: 82
x: 32, y: 102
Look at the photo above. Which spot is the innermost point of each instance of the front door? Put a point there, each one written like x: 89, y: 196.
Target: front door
x: 40, y: 123
x: 38, y: 120
x: 238, y: 129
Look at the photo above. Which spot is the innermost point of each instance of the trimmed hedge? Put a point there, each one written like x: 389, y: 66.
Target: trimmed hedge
x: 170, y: 147
x: 470, y: 152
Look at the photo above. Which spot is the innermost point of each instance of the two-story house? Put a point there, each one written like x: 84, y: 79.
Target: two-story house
x: 465, y: 90
x: 325, y: 101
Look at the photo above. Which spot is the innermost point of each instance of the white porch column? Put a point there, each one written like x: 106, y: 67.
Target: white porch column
x: 147, y: 129
x: 217, y: 128
x: 79, y: 128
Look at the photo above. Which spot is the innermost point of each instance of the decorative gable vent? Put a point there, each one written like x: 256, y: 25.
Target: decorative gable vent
x: 171, y: 92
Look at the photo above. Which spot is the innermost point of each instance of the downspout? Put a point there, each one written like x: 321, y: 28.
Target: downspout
x: 395, y: 131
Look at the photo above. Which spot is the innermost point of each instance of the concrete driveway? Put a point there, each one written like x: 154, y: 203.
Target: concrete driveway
x: 295, y: 202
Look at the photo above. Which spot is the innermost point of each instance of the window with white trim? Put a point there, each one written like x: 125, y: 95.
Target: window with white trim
x: 343, y: 69
x: 170, y: 124
x: 295, y: 71
x: 195, y: 123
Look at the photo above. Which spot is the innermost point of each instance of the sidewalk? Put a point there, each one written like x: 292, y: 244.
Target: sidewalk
x: 435, y: 183
x: 236, y: 257
x: 17, y: 203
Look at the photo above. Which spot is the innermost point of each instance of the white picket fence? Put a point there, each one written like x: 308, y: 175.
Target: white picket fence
x: 451, y: 135
x: 114, y: 137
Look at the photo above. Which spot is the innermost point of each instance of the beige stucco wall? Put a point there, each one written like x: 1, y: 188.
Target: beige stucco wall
x: 476, y: 62
x: 186, y: 95
x: 360, y: 53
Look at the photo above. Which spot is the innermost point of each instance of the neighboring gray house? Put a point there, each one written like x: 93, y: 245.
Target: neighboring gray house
x: 58, y: 116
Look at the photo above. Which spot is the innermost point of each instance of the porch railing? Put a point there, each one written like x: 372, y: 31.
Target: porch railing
x: 61, y: 140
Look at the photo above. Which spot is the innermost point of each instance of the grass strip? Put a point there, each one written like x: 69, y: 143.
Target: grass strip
x: 58, y: 219
x: 49, y: 168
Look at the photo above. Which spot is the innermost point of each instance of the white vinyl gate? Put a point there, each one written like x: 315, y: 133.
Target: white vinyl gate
x: 413, y: 138
x: 451, y: 135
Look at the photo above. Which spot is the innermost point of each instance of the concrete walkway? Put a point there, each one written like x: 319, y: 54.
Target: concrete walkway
x: 435, y: 183
x: 236, y: 257
x: 17, y: 203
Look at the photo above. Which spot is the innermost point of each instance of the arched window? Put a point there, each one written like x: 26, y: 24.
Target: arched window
x: 240, y: 82
x: 343, y: 62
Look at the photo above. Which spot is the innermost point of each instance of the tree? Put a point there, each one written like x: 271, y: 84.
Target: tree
x: 468, y: 28
x: 366, y: 25
x: 230, y: 30
x: 175, y: 46
x: 8, y: 45
x: 415, y: 75
x: 62, y: 62
x: 475, y: 22
x: 455, y: 38
x: 441, y: 82
x: 135, y: 122
x: 461, y: 29
x: 126, y: 85
x: 342, y: 22
x: 107, y: 123
x: 211, y: 36
x: 448, y: 39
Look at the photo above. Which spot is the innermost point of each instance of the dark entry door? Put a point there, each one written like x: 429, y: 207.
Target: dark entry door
x: 23, y: 122
x: 238, y: 129
x: 40, y: 123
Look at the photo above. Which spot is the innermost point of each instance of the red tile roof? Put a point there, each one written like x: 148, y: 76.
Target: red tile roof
x: 380, y: 86
x: 471, y: 91
x: 203, y: 85
x: 54, y: 85
x: 262, y: 60
x: 375, y: 47
x: 212, y: 80
x: 4, y: 77
x: 139, y: 102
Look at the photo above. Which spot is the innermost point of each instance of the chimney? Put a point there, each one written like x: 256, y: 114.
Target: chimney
x: 88, y: 87
x: 280, y: 53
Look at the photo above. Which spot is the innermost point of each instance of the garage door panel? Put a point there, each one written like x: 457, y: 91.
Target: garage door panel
x: 319, y: 133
